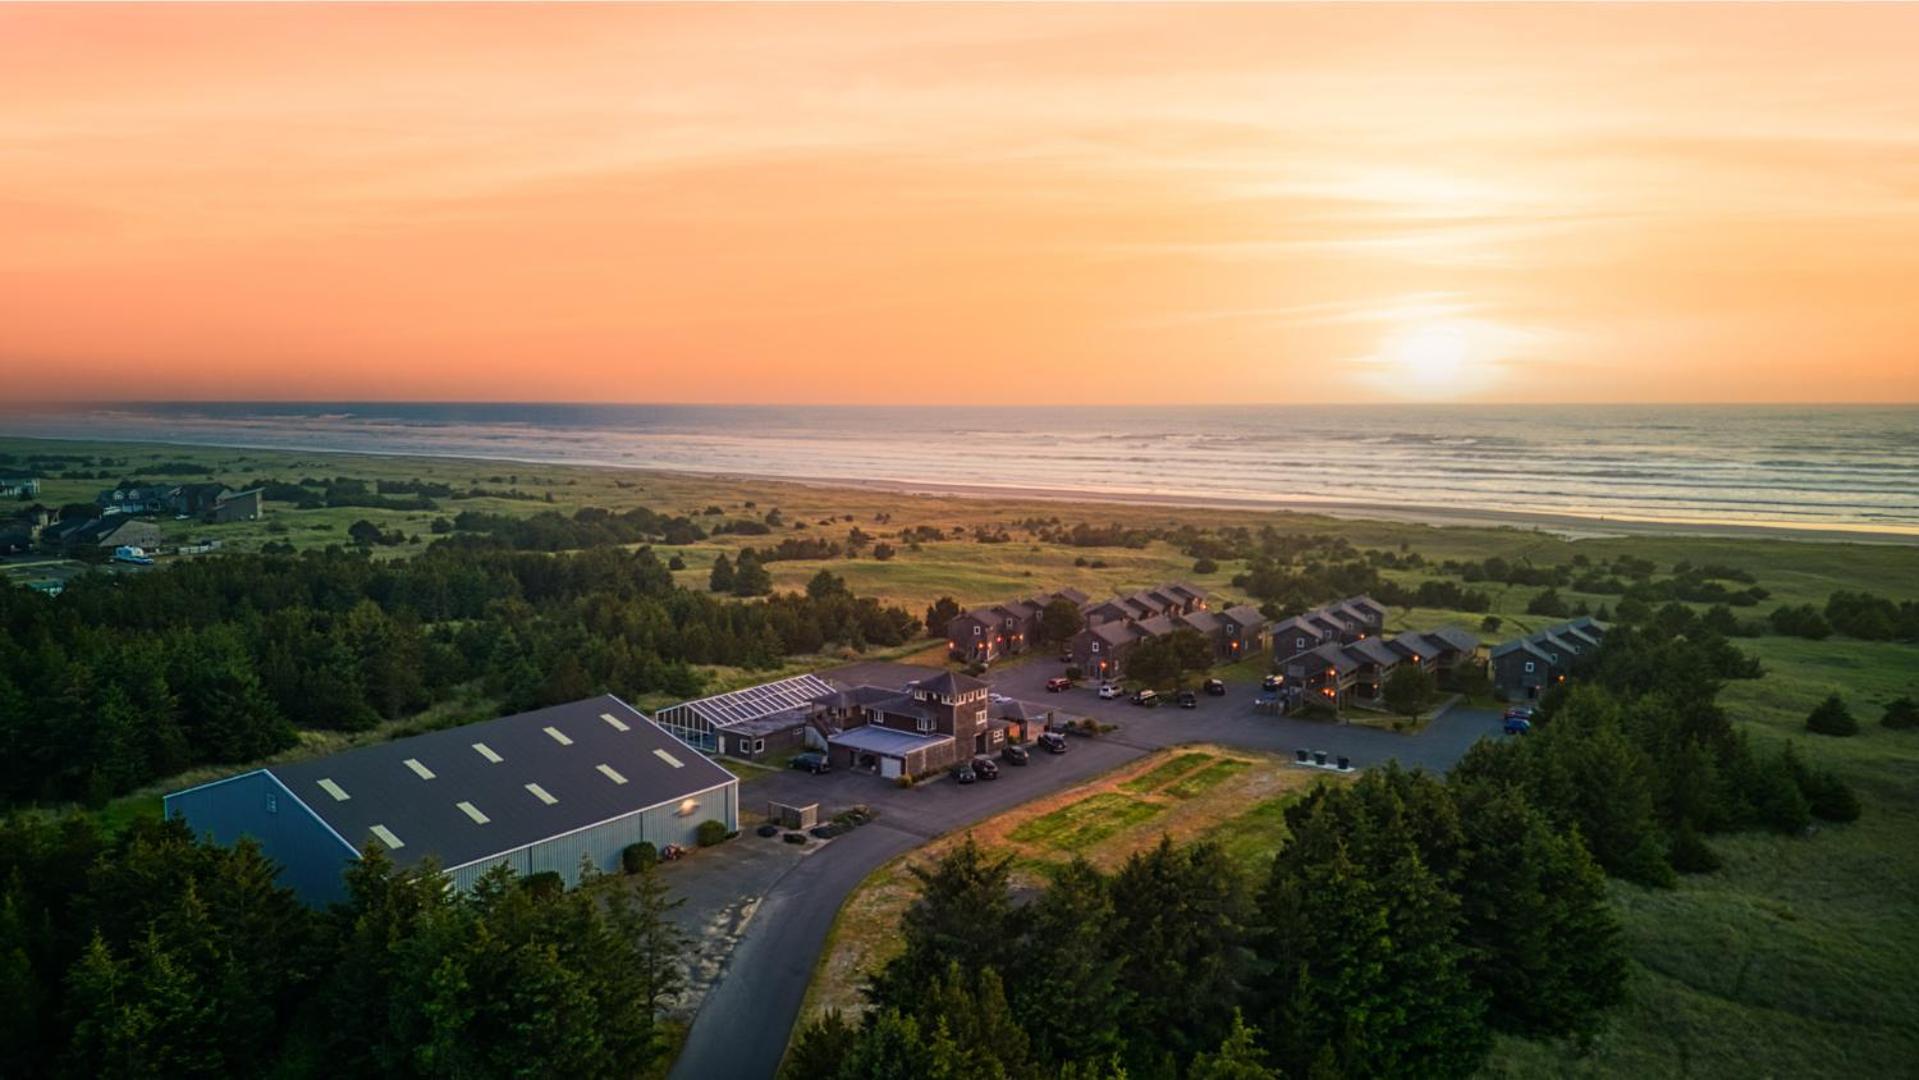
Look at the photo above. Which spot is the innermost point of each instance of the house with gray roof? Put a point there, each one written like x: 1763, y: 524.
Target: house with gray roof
x: 540, y: 791
x: 1525, y: 667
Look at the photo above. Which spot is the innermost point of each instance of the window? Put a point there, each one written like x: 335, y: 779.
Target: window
x: 1095, y: 646
x: 925, y: 724
x: 1529, y: 667
x: 273, y: 802
x: 759, y: 745
x: 976, y: 631
x: 1299, y: 643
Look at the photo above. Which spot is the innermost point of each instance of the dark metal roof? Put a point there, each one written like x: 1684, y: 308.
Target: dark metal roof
x: 948, y: 684
x: 489, y: 767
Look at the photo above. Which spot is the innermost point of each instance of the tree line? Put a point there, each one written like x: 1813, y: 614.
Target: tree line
x: 1404, y: 921
x: 152, y: 955
x: 124, y: 679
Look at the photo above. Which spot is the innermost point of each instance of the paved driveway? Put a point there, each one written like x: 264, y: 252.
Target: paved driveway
x: 741, y: 1029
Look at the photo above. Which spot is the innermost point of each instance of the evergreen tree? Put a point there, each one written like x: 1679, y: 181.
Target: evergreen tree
x: 1409, y: 690
x: 749, y: 575
x: 1902, y: 713
x: 1239, y: 1057
x: 1542, y: 941
x: 1179, y: 916
x: 821, y: 1048
x: 1831, y: 717
x: 721, y: 580
x: 961, y: 916
x: 1068, y: 953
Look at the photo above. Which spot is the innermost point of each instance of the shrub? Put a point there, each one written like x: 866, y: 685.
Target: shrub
x: 1205, y: 566
x: 676, y: 563
x: 1074, y: 672
x: 976, y: 669
x: 1902, y: 714
x: 1489, y: 625
x: 546, y: 883
x: 637, y: 857
x: 1832, y: 717
x: 1690, y: 855
x: 1830, y: 798
x: 710, y: 833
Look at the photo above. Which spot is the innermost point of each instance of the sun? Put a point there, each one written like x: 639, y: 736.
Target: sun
x: 1429, y: 355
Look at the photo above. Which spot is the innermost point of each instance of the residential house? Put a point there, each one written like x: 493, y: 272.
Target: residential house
x: 113, y: 531
x: 926, y: 726
x: 1100, y: 650
x: 19, y: 487
x: 233, y: 506
x: 1242, y: 633
x: 985, y: 634
x: 1524, y: 667
x: 1326, y: 675
x: 1352, y: 619
x: 1377, y: 660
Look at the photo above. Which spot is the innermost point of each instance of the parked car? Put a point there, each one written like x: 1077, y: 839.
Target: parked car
x: 964, y: 774
x: 1519, y: 712
x: 1270, y: 682
x: 1054, y: 686
x: 998, y: 698
x: 1518, y: 725
x: 1108, y: 691
x: 986, y: 767
x: 1215, y: 688
x: 1188, y: 699
x: 1146, y: 698
x: 1053, y: 742
x: 1015, y: 755
x: 812, y: 761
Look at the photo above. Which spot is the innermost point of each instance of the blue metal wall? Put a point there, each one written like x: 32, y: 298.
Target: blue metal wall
x: 254, y: 804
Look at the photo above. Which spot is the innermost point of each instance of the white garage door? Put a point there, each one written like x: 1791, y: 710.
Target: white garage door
x: 890, y: 768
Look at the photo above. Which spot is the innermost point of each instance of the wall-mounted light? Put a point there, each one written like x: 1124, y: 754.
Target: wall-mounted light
x: 687, y: 806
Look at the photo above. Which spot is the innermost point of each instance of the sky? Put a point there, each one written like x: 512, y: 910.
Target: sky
x: 995, y: 203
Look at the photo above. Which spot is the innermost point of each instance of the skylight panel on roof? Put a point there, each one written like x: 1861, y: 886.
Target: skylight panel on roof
x: 473, y: 812
x: 339, y: 793
x: 540, y: 793
x: 616, y: 723
x: 559, y: 736
x: 612, y: 774
x: 419, y: 770
x: 386, y: 837
x: 669, y: 759
x: 486, y: 752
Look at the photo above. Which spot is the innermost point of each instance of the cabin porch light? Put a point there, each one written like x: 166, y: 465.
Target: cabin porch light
x: 687, y: 806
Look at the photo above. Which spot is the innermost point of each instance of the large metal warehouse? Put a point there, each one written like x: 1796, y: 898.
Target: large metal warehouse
x: 535, y: 792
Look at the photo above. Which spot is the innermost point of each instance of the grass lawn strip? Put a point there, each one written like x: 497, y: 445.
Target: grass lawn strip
x: 1163, y: 774
x: 1207, y: 778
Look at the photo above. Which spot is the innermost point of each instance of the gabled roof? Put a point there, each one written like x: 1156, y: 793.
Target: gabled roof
x: 594, y: 760
x: 1452, y: 636
x: 1520, y: 645
x: 1020, y: 710
x: 1328, y: 620
x: 1416, y: 645
x: 1074, y: 595
x: 949, y: 684
x: 1298, y: 624
x: 1116, y: 633
x: 1187, y: 590
x: 1158, y: 625
x: 1374, y: 651
x: 1205, y: 622
x: 1363, y: 601
x: 753, y: 702
x: 1245, y: 615
x: 1332, y: 655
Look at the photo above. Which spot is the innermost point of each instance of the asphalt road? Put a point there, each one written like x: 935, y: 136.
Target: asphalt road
x: 742, y: 1027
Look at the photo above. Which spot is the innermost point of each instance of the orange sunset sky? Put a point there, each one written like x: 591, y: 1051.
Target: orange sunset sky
x: 919, y: 204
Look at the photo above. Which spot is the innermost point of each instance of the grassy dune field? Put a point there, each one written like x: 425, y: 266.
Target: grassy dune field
x: 1799, y: 958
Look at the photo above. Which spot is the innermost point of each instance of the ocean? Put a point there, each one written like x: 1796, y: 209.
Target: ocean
x: 1801, y: 467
